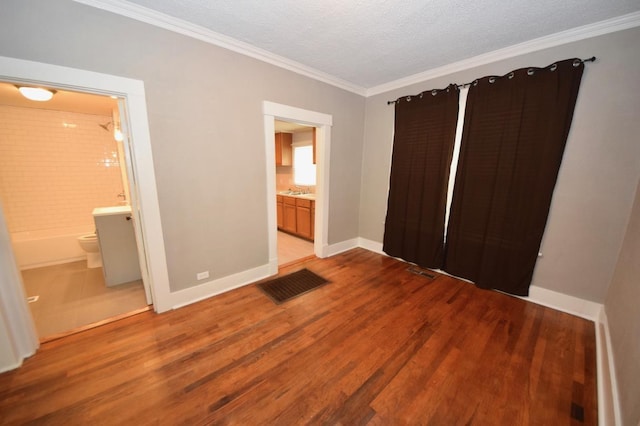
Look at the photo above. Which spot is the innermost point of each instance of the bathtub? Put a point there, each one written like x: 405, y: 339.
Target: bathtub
x: 34, y: 249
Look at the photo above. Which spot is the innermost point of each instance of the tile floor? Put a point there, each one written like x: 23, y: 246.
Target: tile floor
x: 292, y: 248
x: 72, y: 296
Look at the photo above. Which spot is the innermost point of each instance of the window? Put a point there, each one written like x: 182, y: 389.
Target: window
x: 304, y: 171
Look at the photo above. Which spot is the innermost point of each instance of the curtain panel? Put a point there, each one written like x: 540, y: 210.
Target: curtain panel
x: 515, y: 131
x: 425, y: 127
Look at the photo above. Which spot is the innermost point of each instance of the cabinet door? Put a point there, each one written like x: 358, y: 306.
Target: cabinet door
x: 279, y: 211
x: 303, y: 218
x: 283, y: 149
x: 313, y: 220
x: 289, y: 214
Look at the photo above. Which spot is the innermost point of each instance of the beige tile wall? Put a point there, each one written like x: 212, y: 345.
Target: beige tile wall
x: 55, y: 167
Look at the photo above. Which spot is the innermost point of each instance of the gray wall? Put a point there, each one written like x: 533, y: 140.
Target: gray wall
x: 623, y: 314
x: 600, y: 169
x: 206, y: 123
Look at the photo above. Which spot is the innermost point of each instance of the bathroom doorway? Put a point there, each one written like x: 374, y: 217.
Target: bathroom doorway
x: 63, y: 159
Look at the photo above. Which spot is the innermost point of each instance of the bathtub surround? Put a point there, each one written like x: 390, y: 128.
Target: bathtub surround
x: 61, y: 163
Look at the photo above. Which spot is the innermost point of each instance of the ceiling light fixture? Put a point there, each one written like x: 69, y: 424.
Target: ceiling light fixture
x: 36, y: 93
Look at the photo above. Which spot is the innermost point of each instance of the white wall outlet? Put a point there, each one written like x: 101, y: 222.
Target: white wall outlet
x: 202, y: 275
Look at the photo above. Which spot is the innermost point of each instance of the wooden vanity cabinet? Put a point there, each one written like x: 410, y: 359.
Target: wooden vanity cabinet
x: 284, y: 155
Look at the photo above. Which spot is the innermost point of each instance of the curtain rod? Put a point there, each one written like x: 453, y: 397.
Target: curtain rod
x: 577, y: 61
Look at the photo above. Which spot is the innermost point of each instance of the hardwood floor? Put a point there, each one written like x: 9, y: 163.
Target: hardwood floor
x: 378, y: 345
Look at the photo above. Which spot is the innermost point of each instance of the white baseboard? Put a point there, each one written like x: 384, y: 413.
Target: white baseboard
x: 607, y: 384
x: 370, y: 245
x: 563, y: 302
x: 608, y: 400
x: 221, y: 285
x: 333, y: 249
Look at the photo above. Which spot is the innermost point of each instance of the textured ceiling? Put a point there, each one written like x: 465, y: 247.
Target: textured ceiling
x: 372, y: 42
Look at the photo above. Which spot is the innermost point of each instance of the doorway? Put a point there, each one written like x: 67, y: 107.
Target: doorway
x: 322, y: 123
x: 63, y: 161
x: 296, y: 191
x: 21, y: 340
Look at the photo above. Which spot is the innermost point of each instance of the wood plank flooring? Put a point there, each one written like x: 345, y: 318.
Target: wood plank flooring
x: 378, y: 345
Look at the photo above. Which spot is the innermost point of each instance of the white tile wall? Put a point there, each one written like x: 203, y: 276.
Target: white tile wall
x: 55, y: 168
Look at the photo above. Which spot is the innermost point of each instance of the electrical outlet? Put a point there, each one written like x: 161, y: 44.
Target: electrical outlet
x: 202, y: 275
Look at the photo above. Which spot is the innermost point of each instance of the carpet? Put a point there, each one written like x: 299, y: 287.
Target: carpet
x: 292, y: 285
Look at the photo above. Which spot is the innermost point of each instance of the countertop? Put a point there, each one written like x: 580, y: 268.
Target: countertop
x: 297, y: 195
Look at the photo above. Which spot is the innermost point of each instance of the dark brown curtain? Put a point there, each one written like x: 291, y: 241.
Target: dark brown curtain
x: 514, y: 135
x: 425, y: 128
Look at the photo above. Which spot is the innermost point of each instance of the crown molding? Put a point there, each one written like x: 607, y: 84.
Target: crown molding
x: 575, y: 34
x: 161, y: 20
x: 188, y: 29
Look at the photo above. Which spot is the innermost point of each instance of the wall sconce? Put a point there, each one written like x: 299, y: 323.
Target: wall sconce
x: 36, y: 93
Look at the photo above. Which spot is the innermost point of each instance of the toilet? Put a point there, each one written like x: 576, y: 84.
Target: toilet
x: 89, y: 243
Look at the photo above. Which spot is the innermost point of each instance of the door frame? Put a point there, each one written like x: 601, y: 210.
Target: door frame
x: 146, y: 209
x: 322, y: 122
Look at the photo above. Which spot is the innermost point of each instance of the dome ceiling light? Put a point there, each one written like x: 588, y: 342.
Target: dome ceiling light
x: 36, y: 93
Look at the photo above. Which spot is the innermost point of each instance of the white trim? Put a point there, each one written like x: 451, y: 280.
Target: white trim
x: 147, y: 210
x: 619, y: 23
x: 333, y: 249
x: 161, y: 20
x: 323, y: 123
x: 208, y: 289
x: 371, y: 245
x: 538, y: 295
x: 604, y: 351
x: 563, y: 302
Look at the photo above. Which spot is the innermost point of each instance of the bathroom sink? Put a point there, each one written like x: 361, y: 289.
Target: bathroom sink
x: 106, y: 211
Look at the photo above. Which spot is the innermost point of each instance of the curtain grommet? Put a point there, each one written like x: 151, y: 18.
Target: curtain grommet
x: 492, y: 80
x: 408, y: 98
x: 475, y: 82
x: 434, y: 92
x: 511, y: 75
x: 554, y: 67
x: 531, y: 71
x: 576, y: 62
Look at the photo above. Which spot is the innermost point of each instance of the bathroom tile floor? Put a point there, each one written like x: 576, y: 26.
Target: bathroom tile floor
x: 72, y: 296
